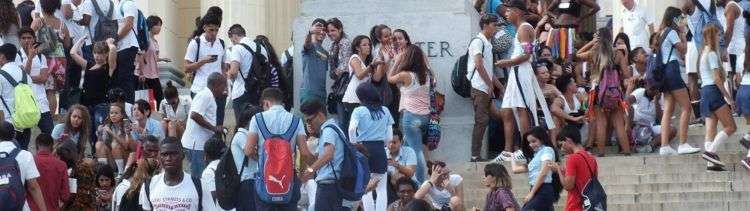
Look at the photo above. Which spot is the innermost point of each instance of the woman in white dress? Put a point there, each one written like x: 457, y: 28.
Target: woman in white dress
x: 522, y: 92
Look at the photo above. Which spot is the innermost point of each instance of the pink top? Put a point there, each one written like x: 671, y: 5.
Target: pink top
x: 151, y: 68
x: 415, y: 98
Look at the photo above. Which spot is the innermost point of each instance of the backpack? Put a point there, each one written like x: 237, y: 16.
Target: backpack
x: 47, y: 38
x: 228, y: 180
x: 260, y: 75
x: 12, y: 190
x: 712, y: 20
x: 198, y: 49
x: 105, y: 27
x: 24, y: 11
x: 609, y: 93
x: 286, y: 79
x: 142, y: 29
x: 655, y: 66
x: 275, y: 180
x: 593, y: 196
x: 25, y: 113
x: 130, y: 203
x: 461, y: 84
x: 355, y: 170
x: 196, y: 182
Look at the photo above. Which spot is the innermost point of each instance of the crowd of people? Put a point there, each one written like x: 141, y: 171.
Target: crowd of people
x: 366, y: 143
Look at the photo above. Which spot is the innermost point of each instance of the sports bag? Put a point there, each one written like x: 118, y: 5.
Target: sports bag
x: 12, y: 190
x: 26, y: 113
x: 275, y: 178
x: 610, y: 93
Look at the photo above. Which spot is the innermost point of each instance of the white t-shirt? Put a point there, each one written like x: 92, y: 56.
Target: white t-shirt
x: 87, y: 8
x: 183, y: 196
x: 245, y: 58
x: 207, y: 48
x: 350, y: 95
x: 37, y: 64
x: 441, y: 198
x: 74, y: 30
x: 196, y: 136
x: 475, y: 48
x: 120, y: 190
x: 645, y: 109
x: 182, y: 112
x: 127, y: 8
x: 709, y: 62
x: 26, y: 163
x: 635, y: 24
x: 208, y: 184
x: 6, y: 89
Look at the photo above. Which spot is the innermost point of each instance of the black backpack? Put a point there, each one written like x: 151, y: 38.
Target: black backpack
x: 196, y: 182
x: 228, y: 180
x: 286, y: 79
x: 12, y: 192
x: 260, y: 75
x: 106, y: 27
x: 593, y: 196
x: 130, y: 203
x: 461, y: 84
x: 24, y: 11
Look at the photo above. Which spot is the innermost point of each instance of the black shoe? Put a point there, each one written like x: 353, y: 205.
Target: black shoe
x: 715, y: 168
x: 745, y: 143
x: 713, y: 158
x: 478, y: 159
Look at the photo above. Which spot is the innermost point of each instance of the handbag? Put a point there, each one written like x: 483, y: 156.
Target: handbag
x: 144, y: 93
x: 337, y: 92
x: 432, y: 138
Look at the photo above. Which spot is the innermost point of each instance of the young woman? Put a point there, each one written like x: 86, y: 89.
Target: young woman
x: 384, y: 49
x: 610, y: 63
x: 371, y: 126
x: 411, y: 74
x: 142, y: 124
x: 127, y: 192
x: 637, y: 70
x: 537, y: 148
x: 174, y: 111
x: 717, y: 102
x: 445, y: 190
x: 114, y: 141
x: 567, y: 107
x: 360, y: 72
x: 105, y: 184
x: 341, y: 49
x: 56, y: 60
x: 9, y: 23
x: 314, y: 64
x: 500, y: 197
x: 96, y: 77
x: 523, y: 92
x: 401, y: 40
x: 674, y: 88
x: 75, y: 128
x: 148, y: 68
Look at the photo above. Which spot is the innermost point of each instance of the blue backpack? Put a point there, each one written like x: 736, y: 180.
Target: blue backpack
x: 355, y: 170
x: 142, y: 32
x: 12, y: 191
x: 655, y: 66
x: 275, y: 181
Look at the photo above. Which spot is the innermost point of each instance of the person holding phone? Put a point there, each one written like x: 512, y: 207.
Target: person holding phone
x: 35, y: 64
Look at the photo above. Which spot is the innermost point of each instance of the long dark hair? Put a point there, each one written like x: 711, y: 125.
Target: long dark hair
x: 355, y: 48
x: 308, y: 39
x: 272, y: 57
x: 335, y: 48
x: 414, y: 62
x: 541, y: 134
x: 376, y: 32
x: 624, y: 37
x: 669, y: 15
x: 83, y: 130
x: 406, y: 35
x: 8, y: 16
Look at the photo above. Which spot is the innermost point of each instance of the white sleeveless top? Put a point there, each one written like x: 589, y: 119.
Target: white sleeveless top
x: 415, y: 98
x: 737, y: 45
x: 350, y: 96
x: 566, y: 107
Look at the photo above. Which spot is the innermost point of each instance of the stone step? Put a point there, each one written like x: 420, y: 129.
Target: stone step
x: 682, y: 206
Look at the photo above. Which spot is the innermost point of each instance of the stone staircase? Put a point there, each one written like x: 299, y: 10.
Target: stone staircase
x: 649, y: 181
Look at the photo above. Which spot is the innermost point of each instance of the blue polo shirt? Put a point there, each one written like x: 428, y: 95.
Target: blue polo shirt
x: 369, y: 129
x: 329, y: 136
x: 535, y: 166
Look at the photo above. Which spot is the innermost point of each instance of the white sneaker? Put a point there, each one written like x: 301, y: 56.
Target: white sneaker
x: 667, y: 151
x: 518, y: 155
x: 687, y: 149
x: 503, y: 156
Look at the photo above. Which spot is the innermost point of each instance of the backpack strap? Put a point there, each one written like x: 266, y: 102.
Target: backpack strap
x: 251, y: 65
x: 262, y: 126
x: 587, y: 165
x: 244, y: 159
x: 19, y: 54
x: 344, y: 140
x: 197, y: 47
x: 13, y: 153
x: 147, y: 188
x: 292, y: 128
x: 199, y: 189
x: 111, y: 8
x: 288, y: 56
x: 10, y: 79
x: 469, y: 59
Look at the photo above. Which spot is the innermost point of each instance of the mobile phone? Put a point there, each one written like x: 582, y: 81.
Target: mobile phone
x: 214, y: 57
x: 36, y: 44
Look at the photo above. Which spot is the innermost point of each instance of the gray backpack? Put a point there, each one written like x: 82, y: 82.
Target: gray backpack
x: 106, y: 27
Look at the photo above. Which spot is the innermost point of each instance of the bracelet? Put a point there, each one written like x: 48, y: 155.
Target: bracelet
x: 430, y: 182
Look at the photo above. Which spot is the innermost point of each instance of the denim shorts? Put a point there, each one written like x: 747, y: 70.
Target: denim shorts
x: 377, y: 159
x: 712, y: 99
x: 544, y: 199
x: 743, y: 100
x: 672, y: 77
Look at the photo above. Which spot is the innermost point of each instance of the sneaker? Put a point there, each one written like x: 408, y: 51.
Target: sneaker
x: 503, y: 156
x: 713, y: 158
x: 746, y: 163
x: 518, y: 155
x: 687, y: 149
x: 745, y: 143
x: 667, y: 151
x: 715, y: 168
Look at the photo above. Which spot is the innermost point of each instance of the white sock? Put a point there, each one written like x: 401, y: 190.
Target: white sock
x: 707, y: 145
x: 748, y: 153
x: 720, y: 138
x: 120, y: 165
x: 102, y: 160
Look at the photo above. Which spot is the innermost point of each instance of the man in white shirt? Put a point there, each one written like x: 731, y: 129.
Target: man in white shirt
x: 26, y: 166
x: 8, y: 53
x: 35, y: 64
x: 204, y: 56
x: 172, y: 189
x: 72, y: 14
x: 127, y: 48
x: 203, y: 123
x: 481, y: 77
x: 637, y: 23
x: 89, y: 20
x: 240, y: 61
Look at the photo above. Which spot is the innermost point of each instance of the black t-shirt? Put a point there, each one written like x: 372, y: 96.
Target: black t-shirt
x: 95, y: 85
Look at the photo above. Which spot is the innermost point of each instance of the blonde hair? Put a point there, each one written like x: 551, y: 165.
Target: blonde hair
x: 711, y: 43
x: 605, y: 53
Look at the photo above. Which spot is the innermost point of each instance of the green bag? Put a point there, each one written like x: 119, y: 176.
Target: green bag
x: 26, y: 113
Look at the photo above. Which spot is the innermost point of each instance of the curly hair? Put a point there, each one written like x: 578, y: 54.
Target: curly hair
x: 8, y: 16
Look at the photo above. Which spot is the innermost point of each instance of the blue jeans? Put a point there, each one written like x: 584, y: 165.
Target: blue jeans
x: 197, y: 162
x: 327, y: 198
x: 247, y: 193
x: 413, y: 128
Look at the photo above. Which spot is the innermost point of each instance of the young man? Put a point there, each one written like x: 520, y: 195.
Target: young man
x: 330, y: 153
x: 406, y: 189
x: 646, y: 103
x: 402, y: 160
x: 481, y: 77
x: 8, y: 53
x: 203, y: 122
x: 277, y: 121
x: 53, y: 174
x: 36, y: 66
x: 637, y: 23
x: 173, y: 188
x: 26, y: 166
x: 204, y: 56
x: 241, y: 58
x: 580, y: 166
x: 730, y: 16
x: 127, y: 48
x: 214, y: 148
x: 89, y: 20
